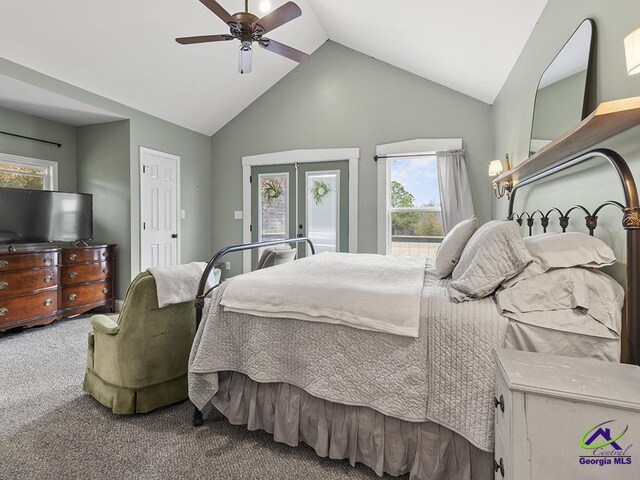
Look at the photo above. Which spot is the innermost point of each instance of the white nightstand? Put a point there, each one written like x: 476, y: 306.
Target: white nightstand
x: 566, y: 418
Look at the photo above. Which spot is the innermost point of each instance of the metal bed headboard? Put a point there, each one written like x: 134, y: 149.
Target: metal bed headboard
x: 630, y: 222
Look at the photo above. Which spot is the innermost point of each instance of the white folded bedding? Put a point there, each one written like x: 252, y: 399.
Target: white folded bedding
x: 369, y: 292
x: 179, y: 283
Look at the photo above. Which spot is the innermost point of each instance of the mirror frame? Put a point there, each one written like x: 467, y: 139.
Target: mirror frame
x: 587, y: 87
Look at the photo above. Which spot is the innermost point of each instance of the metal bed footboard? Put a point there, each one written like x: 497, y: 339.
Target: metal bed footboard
x: 203, y: 292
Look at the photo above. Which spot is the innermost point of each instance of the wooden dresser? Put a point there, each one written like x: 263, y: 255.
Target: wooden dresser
x: 40, y: 285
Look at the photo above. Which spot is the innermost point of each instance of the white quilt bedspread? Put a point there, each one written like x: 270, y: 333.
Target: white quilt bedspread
x: 446, y: 375
x: 371, y: 292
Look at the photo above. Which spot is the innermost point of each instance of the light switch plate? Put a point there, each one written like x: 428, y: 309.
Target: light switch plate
x: 183, y: 214
x: 237, y: 215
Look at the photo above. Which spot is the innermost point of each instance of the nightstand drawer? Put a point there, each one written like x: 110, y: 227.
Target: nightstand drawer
x: 19, y: 308
x: 501, y: 460
x: 87, y: 272
x: 503, y: 407
x: 85, y: 294
x: 19, y: 283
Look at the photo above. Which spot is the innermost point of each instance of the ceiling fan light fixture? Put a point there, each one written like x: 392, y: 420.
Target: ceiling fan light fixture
x: 245, y: 59
x: 265, y: 6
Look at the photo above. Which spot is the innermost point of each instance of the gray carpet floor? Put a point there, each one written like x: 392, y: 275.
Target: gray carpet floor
x: 50, y: 429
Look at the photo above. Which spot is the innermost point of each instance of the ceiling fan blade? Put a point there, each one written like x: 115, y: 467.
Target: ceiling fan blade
x: 284, y: 50
x: 278, y: 17
x: 204, y: 39
x: 216, y: 8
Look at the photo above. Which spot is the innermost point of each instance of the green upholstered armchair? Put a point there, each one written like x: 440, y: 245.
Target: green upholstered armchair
x: 137, y: 360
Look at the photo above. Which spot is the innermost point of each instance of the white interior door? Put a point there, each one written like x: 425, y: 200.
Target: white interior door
x: 159, y: 209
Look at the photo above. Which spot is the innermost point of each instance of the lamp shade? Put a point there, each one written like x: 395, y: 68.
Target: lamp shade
x: 495, y: 168
x: 632, y: 51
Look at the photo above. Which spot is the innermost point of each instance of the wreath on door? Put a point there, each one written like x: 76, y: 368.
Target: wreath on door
x: 319, y: 190
x: 272, y: 190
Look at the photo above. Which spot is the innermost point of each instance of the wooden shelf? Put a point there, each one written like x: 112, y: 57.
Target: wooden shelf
x: 608, y: 120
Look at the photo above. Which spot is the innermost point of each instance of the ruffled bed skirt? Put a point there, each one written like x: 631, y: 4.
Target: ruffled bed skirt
x: 426, y: 450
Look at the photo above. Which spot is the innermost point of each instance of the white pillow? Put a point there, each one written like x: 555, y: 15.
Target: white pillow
x: 494, y: 254
x: 566, y: 288
x: 572, y: 249
x: 452, y: 245
x: 563, y: 250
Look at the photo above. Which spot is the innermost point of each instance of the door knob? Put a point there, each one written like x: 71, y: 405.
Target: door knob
x: 175, y: 235
x: 300, y: 226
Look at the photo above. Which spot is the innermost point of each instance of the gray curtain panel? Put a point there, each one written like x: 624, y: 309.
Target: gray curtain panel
x: 455, y: 191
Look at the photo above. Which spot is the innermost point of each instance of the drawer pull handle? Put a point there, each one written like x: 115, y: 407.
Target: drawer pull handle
x: 73, y: 296
x: 73, y: 256
x: 4, y: 263
x: 48, y: 302
x: 48, y: 261
x: 105, y: 290
x: 3, y: 311
x: 48, y: 279
x: 105, y: 254
x: 4, y: 285
x: 73, y: 275
x: 499, y: 402
x: 499, y: 465
x: 105, y: 270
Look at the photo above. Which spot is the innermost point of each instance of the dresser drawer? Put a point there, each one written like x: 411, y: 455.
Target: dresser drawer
x: 87, y: 272
x: 73, y: 256
x: 27, y: 261
x: 19, y: 283
x: 85, y: 294
x: 19, y: 308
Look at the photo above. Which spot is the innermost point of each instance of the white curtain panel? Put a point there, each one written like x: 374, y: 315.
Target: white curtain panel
x: 455, y: 191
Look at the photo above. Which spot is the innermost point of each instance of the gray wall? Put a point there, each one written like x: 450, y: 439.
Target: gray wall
x: 341, y: 98
x: 559, y: 106
x: 148, y: 131
x: 30, y: 126
x: 513, y: 107
x: 103, y: 170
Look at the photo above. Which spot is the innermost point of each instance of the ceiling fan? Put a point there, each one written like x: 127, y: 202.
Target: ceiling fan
x: 248, y: 28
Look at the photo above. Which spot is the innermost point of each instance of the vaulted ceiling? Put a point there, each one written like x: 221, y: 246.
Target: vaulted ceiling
x: 124, y: 49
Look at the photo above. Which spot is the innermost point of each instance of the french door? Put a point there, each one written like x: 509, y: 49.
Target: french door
x: 298, y: 200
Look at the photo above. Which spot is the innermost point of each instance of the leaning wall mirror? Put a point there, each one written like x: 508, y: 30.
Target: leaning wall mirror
x: 561, y: 99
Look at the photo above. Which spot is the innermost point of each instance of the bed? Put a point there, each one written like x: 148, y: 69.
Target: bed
x: 422, y: 406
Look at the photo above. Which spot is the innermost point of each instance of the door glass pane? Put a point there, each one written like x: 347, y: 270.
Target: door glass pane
x: 273, y: 207
x: 323, y: 203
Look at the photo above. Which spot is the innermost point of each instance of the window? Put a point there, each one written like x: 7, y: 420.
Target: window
x: 408, y: 175
x: 21, y: 172
x: 414, y: 210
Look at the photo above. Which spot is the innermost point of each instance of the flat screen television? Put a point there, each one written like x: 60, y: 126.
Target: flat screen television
x: 34, y: 216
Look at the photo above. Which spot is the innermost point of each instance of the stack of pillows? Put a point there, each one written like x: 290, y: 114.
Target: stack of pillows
x: 545, y: 279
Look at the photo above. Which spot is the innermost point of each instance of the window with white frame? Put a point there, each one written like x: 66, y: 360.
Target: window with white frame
x: 413, y: 209
x: 31, y: 173
x: 409, y: 212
